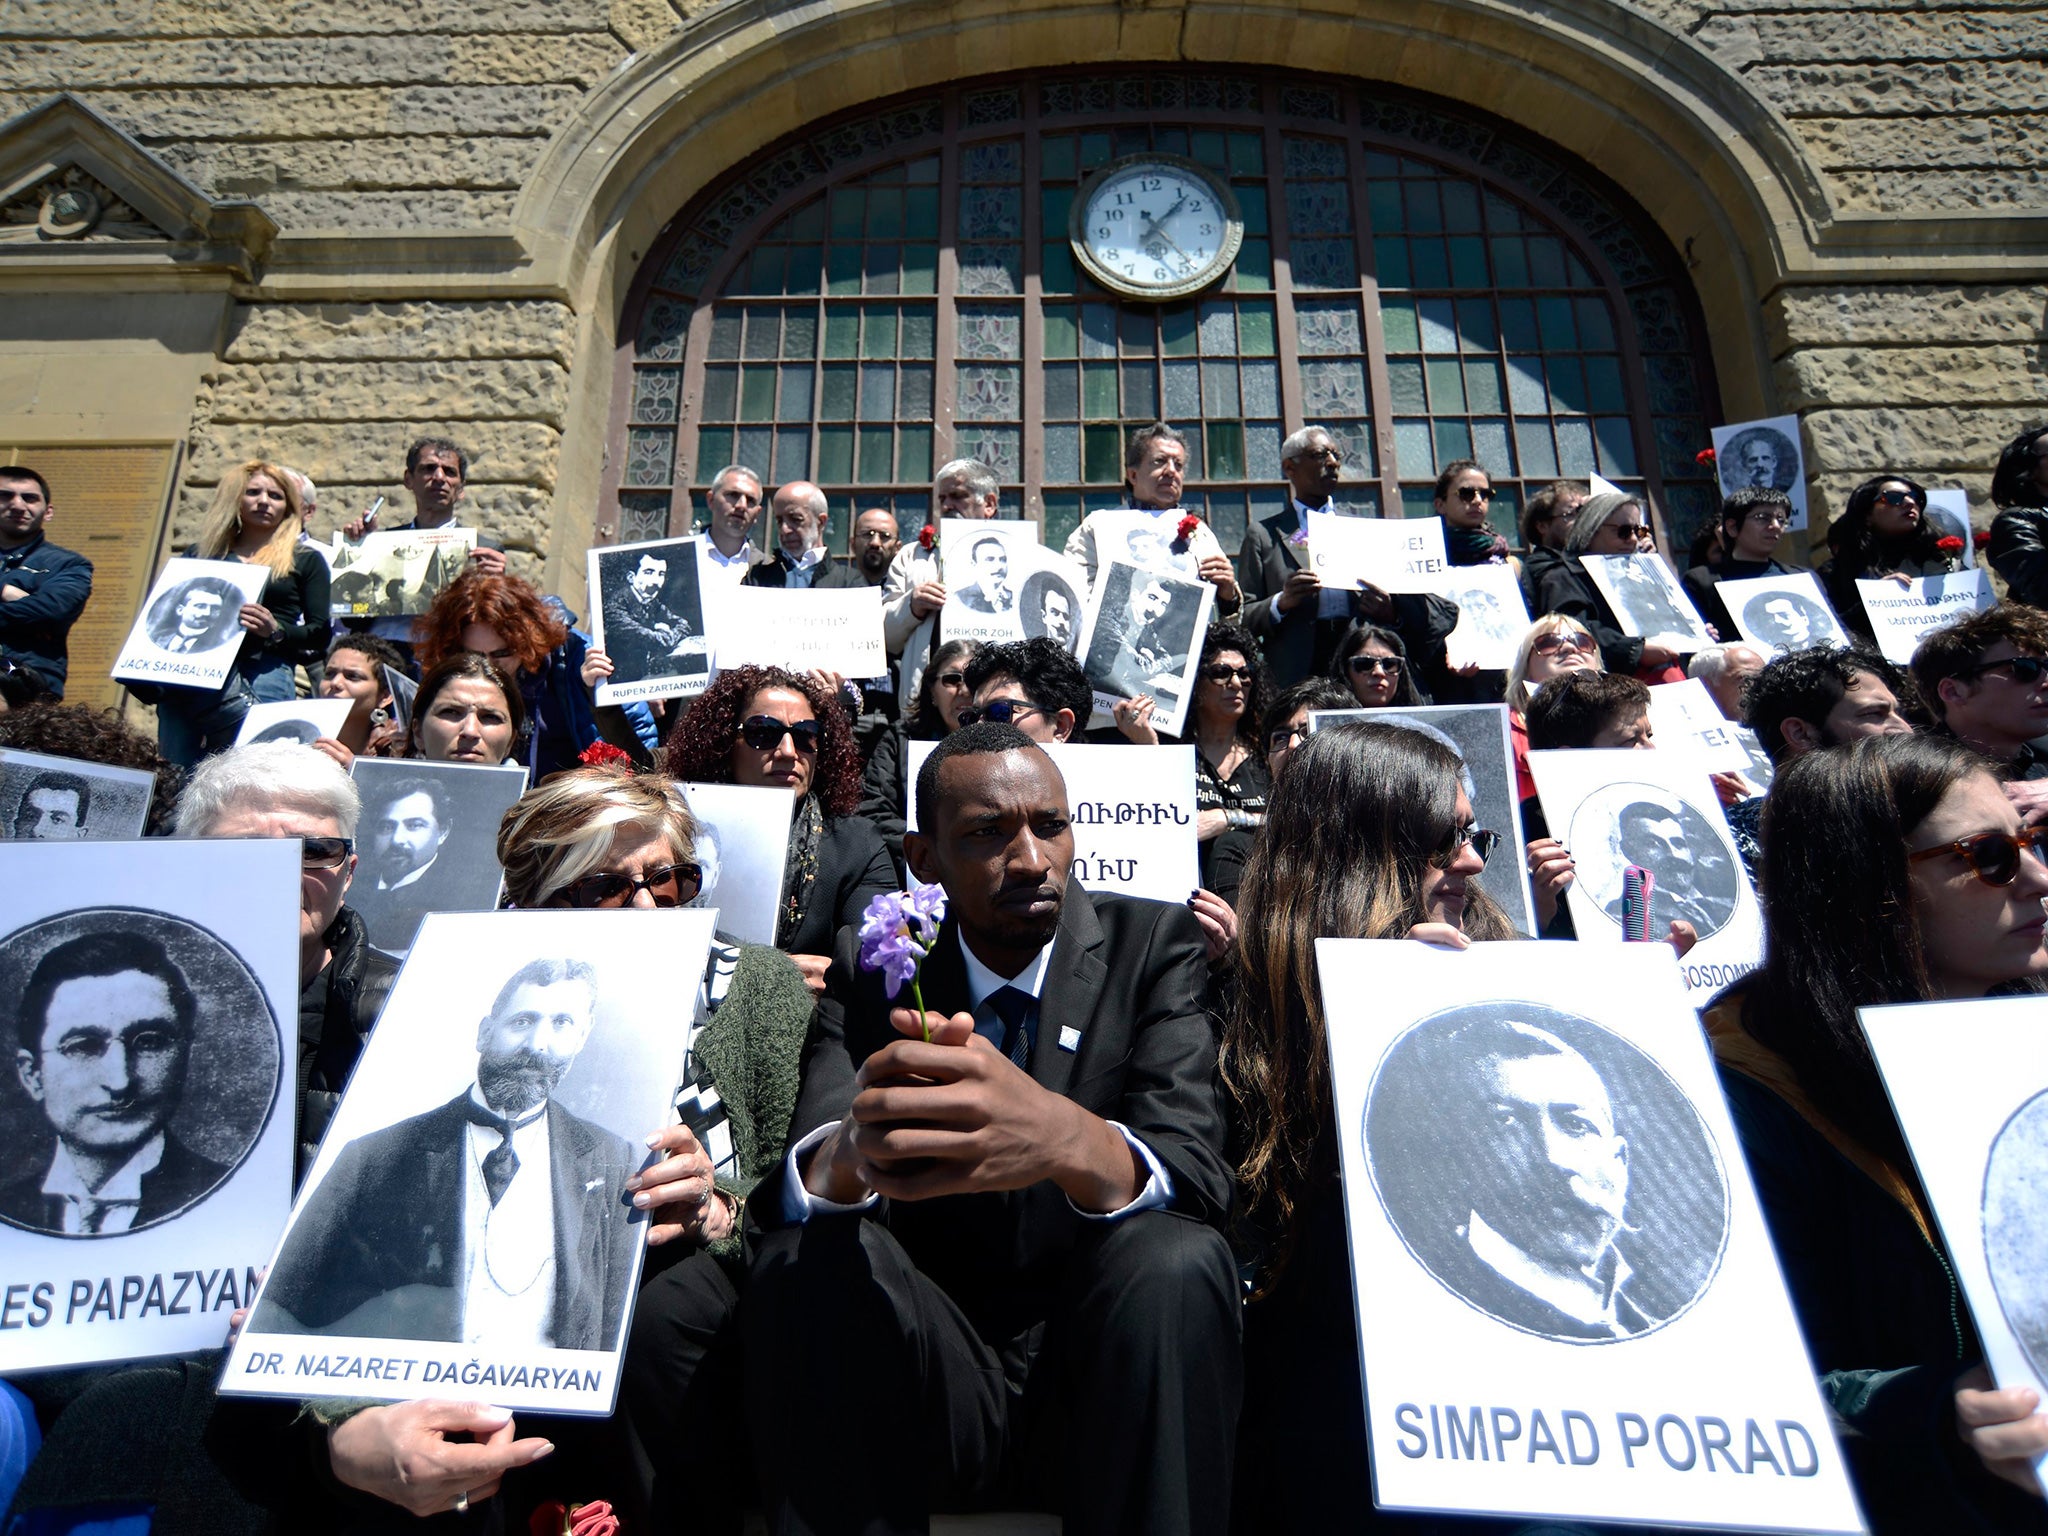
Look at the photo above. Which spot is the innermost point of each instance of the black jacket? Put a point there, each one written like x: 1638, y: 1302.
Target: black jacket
x: 180, y: 1179
x: 358, y: 984
x: 33, y: 629
x: 853, y: 868
x: 1560, y: 585
x: 2019, y: 552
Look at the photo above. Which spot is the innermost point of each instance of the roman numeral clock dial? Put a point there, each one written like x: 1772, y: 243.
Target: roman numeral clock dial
x: 1156, y: 227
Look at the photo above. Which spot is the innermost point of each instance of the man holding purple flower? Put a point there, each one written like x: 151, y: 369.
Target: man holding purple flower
x: 997, y: 1232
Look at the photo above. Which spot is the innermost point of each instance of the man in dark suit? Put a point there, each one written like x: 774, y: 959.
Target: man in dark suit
x: 1002, y: 1243
x: 800, y: 558
x: 200, y: 615
x: 991, y: 591
x: 408, y: 876
x: 1687, y: 888
x: 643, y: 633
x: 103, y: 1037
x: 498, y: 1219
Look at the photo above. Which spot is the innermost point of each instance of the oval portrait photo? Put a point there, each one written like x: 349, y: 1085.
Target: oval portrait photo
x: 2016, y: 1225
x: 146, y: 1063
x: 1546, y: 1172
x: 1698, y: 878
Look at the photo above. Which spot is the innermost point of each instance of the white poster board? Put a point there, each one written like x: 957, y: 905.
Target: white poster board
x: 416, y: 1265
x: 1590, y: 1326
x: 1002, y: 584
x: 396, y: 574
x: 1144, y: 639
x: 190, y: 628
x: 836, y: 629
x: 427, y: 842
x: 185, y: 956
x: 60, y: 799
x: 1134, y: 815
x: 1492, y: 616
x: 1782, y: 614
x: 647, y: 615
x: 1395, y: 554
x: 1949, y: 511
x: 742, y: 844
x: 303, y: 721
x: 1901, y: 617
x: 1615, y: 807
x: 1763, y: 453
x: 1647, y: 600
x: 1149, y: 540
x: 1969, y: 1083
x: 1685, y: 718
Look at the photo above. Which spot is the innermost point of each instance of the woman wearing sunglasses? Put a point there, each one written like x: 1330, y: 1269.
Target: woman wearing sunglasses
x: 1464, y: 495
x: 1883, y: 534
x: 1608, y: 524
x: 1553, y: 646
x: 778, y: 730
x: 1372, y: 662
x: 1894, y: 871
x: 942, y: 692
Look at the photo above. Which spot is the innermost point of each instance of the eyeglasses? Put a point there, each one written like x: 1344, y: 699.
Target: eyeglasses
x: 1898, y: 498
x: 950, y: 680
x: 1482, y: 841
x: 1993, y: 857
x: 1285, y: 737
x: 1227, y: 674
x: 1002, y: 711
x: 2024, y: 670
x: 1766, y: 519
x: 325, y: 852
x: 1362, y: 664
x: 1550, y: 645
x: 669, y: 884
x: 764, y: 733
x: 1474, y: 493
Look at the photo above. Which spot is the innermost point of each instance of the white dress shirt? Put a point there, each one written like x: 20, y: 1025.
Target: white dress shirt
x: 115, y: 1202
x: 733, y: 567
x: 509, y: 1297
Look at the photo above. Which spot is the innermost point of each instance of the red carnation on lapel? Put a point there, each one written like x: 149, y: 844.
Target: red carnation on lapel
x: 1704, y: 456
x: 927, y: 536
x: 1187, y: 528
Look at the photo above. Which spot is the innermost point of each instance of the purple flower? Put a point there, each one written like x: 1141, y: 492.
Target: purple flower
x: 1298, y: 538
x: 898, y: 930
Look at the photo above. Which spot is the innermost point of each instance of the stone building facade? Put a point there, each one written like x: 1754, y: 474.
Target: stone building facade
x: 311, y: 230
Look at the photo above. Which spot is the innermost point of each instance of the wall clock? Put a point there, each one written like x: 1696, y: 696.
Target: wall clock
x: 1155, y: 227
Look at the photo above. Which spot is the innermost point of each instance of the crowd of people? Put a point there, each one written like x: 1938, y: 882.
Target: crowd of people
x: 1072, y: 1237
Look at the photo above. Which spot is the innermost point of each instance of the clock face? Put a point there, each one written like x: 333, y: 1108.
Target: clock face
x: 1156, y: 227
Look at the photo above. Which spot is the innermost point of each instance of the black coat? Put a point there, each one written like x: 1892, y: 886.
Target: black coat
x: 2019, y: 552
x: 1560, y: 585
x: 34, y: 629
x: 179, y: 1179
x: 359, y: 981
x: 854, y: 867
x: 1703, y: 581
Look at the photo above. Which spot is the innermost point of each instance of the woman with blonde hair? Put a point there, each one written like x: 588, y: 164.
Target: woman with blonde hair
x: 255, y: 517
x: 1555, y: 644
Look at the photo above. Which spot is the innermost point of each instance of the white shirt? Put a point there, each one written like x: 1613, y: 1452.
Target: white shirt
x: 1585, y: 1296
x: 509, y: 1297
x: 733, y: 567
x: 120, y: 1198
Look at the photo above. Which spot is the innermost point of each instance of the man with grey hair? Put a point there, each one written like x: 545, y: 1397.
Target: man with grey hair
x: 1155, y: 471
x: 1724, y: 669
x: 734, y: 504
x: 912, y: 594
x: 800, y: 559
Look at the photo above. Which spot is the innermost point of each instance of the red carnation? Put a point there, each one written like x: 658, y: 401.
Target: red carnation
x: 598, y: 753
x: 1982, y: 537
x: 1187, y: 528
x: 1704, y: 456
x: 927, y: 536
x: 1952, y: 544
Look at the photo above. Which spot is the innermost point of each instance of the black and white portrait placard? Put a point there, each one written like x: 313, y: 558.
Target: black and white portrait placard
x: 1647, y: 600
x: 1394, y: 554
x: 1492, y: 617
x: 1685, y: 718
x: 190, y: 628
x: 1144, y: 639
x: 62, y: 800
x: 834, y: 629
x: 1002, y: 584
x: 303, y: 721
x: 647, y: 614
x: 1782, y: 614
x: 1147, y: 539
x: 1656, y: 810
x: 1478, y: 733
x: 1133, y: 810
x: 150, y: 991
x: 465, y: 1229
x: 1764, y: 454
x: 427, y: 842
x: 1902, y: 616
x: 1568, y: 1304
x: 398, y: 573
x: 742, y: 844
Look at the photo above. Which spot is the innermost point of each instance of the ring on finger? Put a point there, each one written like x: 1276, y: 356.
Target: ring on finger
x: 462, y: 1502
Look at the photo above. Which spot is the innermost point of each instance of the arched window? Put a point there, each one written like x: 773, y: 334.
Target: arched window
x: 895, y: 288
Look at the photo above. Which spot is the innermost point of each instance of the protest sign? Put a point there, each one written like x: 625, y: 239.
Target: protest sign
x: 742, y: 843
x: 1969, y: 1083
x: 1781, y: 614
x: 428, y: 841
x: 1395, y: 554
x: 418, y: 1262
x: 1579, y: 1325
x: 1949, y: 511
x: 1613, y: 808
x: 1685, y: 718
x: 1479, y: 734
x: 1134, y: 815
x: 1492, y: 617
x: 136, y: 1210
x: 1144, y: 640
x: 838, y: 629
x: 1150, y: 540
x: 1901, y: 617
x: 647, y: 615
x: 1763, y: 454
x: 1647, y: 600
x: 60, y: 799
x: 190, y: 630
x: 396, y: 574
x: 1002, y: 584
x: 303, y: 721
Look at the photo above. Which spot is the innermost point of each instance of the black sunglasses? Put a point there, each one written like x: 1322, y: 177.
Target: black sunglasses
x: 1483, y: 843
x: 2024, y: 670
x: 1227, y: 674
x: 950, y: 679
x: 1993, y: 857
x: 1474, y: 493
x: 1898, y: 498
x: 1002, y: 711
x: 1391, y: 664
x: 670, y: 885
x: 764, y: 733
x: 325, y: 852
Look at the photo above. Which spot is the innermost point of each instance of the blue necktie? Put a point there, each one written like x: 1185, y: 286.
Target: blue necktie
x: 1013, y: 1007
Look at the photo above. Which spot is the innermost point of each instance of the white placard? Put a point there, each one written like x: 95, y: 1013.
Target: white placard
x: 190, y: 628
x: 427, y: 841
x: 61, y: 799
x: 1763, y: 453
x: 1480, y: 735
x: 1949, y: 511
x: 1149, y: 540
x: 836, y: 629
x: 741, y: 846
x: 1685, y: 718
x: 1969, y: 1083
x: 1782, y: 614
x: 1901, y: 617
x: 1144, y: 638
x: 402, y: 1274
x: 1134, y: 815
x: 647, y: 615
x: 1615, y: 807
x: 396, y: 574
x: 1492, y: 615
x: 183, y: 957
x: 1600, y: 485
x: 1002, y: 584
x: 1395, y: 554
x: 1586, y: 1325
x: 1647, y: 600
x: 303, y: 721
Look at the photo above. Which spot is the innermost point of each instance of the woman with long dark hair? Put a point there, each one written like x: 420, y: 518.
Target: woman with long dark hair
x: 1884, y: 533
x: 1894, y: 871
x: 1372, y: 662
x: 2018, y: 550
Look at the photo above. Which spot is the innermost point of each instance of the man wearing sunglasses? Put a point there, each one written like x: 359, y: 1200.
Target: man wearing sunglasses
x: 1005, y: 1235
x: 1035, y: 685
x: 1753, y: 520
x: 1986, y: 680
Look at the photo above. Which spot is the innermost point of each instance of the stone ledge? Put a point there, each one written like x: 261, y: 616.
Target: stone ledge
x: 272, y: 333
x: 514, y: 452
x: 175, y: 19
x: 510, y: 58
x: 1938, y: 439
x: 1902, y: 315
x: 350, y: 214
x: 493, y: 389
x: 1922, y: 192
x: 231, y: 112
x: 2018, y: 142
x: 1929, y: 375
x: 1885, y: 90
x: 439, y: 163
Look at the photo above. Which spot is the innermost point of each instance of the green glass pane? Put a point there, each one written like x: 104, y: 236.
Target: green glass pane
x: 914, y: 453
x: 917, y: 338
x: 1404, y: 385
x: 1518, y: 325
x: 1390, y: 256
x: 1554, y: 317
x: 805, y: 263
x: 1098, y: 391
x: 800, y: 330
x: 1056, y: 157
x: 1208, y: 147
x: 878, y: 332
x: 1255, y: 267
x: 842, y: 332
x: 1446, y: 385
x: 808, y: 222
x: 921, y: 213
x: 1247, y: 154
x: 835, y: 454
x: 925, y: 170
x: 1461, y: 206
x: 793, y: 396
x: 1418, y: 501
x: 1383, y: 198
x: 1425, y: 210
x: 1177, y: 335
x: 1482, y: 386
x: 920, y: 269
x: 884, y: 267
x: 837, y: 401
x: 1102, y: 455
x: 1468, y: 262
x: 1397, y: 320
x: 1226, y: 450
x: 1251, y: 201
x: 1095, y: 151
x: 1596, y: 324
x: 885, y: 214
x: 770, y: 263
x: 842, y: 269
x: 757, y: 395
x: 714, y: 447
x: 1510, y: 262
x: 1062, y: 331
x: 721, y: 393
x: 1427, y: 267
x: 1603, y: 384
x: 1255, y: 328
x: 1056, y: 267
x: 1054, y: 203
x: 1546, y: 262
x: 1062, y: 517
x: 849, y: 207
x: 877, y: 445
x: 1453, y: 441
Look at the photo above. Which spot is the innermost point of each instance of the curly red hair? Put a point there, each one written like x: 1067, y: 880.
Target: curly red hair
x: 699, y: 749
x: 507, y: 604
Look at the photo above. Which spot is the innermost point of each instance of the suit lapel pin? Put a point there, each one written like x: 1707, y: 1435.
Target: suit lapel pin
x: 1070, y: 1038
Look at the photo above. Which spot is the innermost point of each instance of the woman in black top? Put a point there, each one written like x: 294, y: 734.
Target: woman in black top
x: 1884, y: 531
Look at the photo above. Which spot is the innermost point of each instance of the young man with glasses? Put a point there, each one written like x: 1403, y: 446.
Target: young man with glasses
x: 1035, y: 685
x: 1753, y: 520
x: 1986, y: 680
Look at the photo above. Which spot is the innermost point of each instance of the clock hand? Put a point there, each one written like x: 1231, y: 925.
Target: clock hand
x: 1162, y: 234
